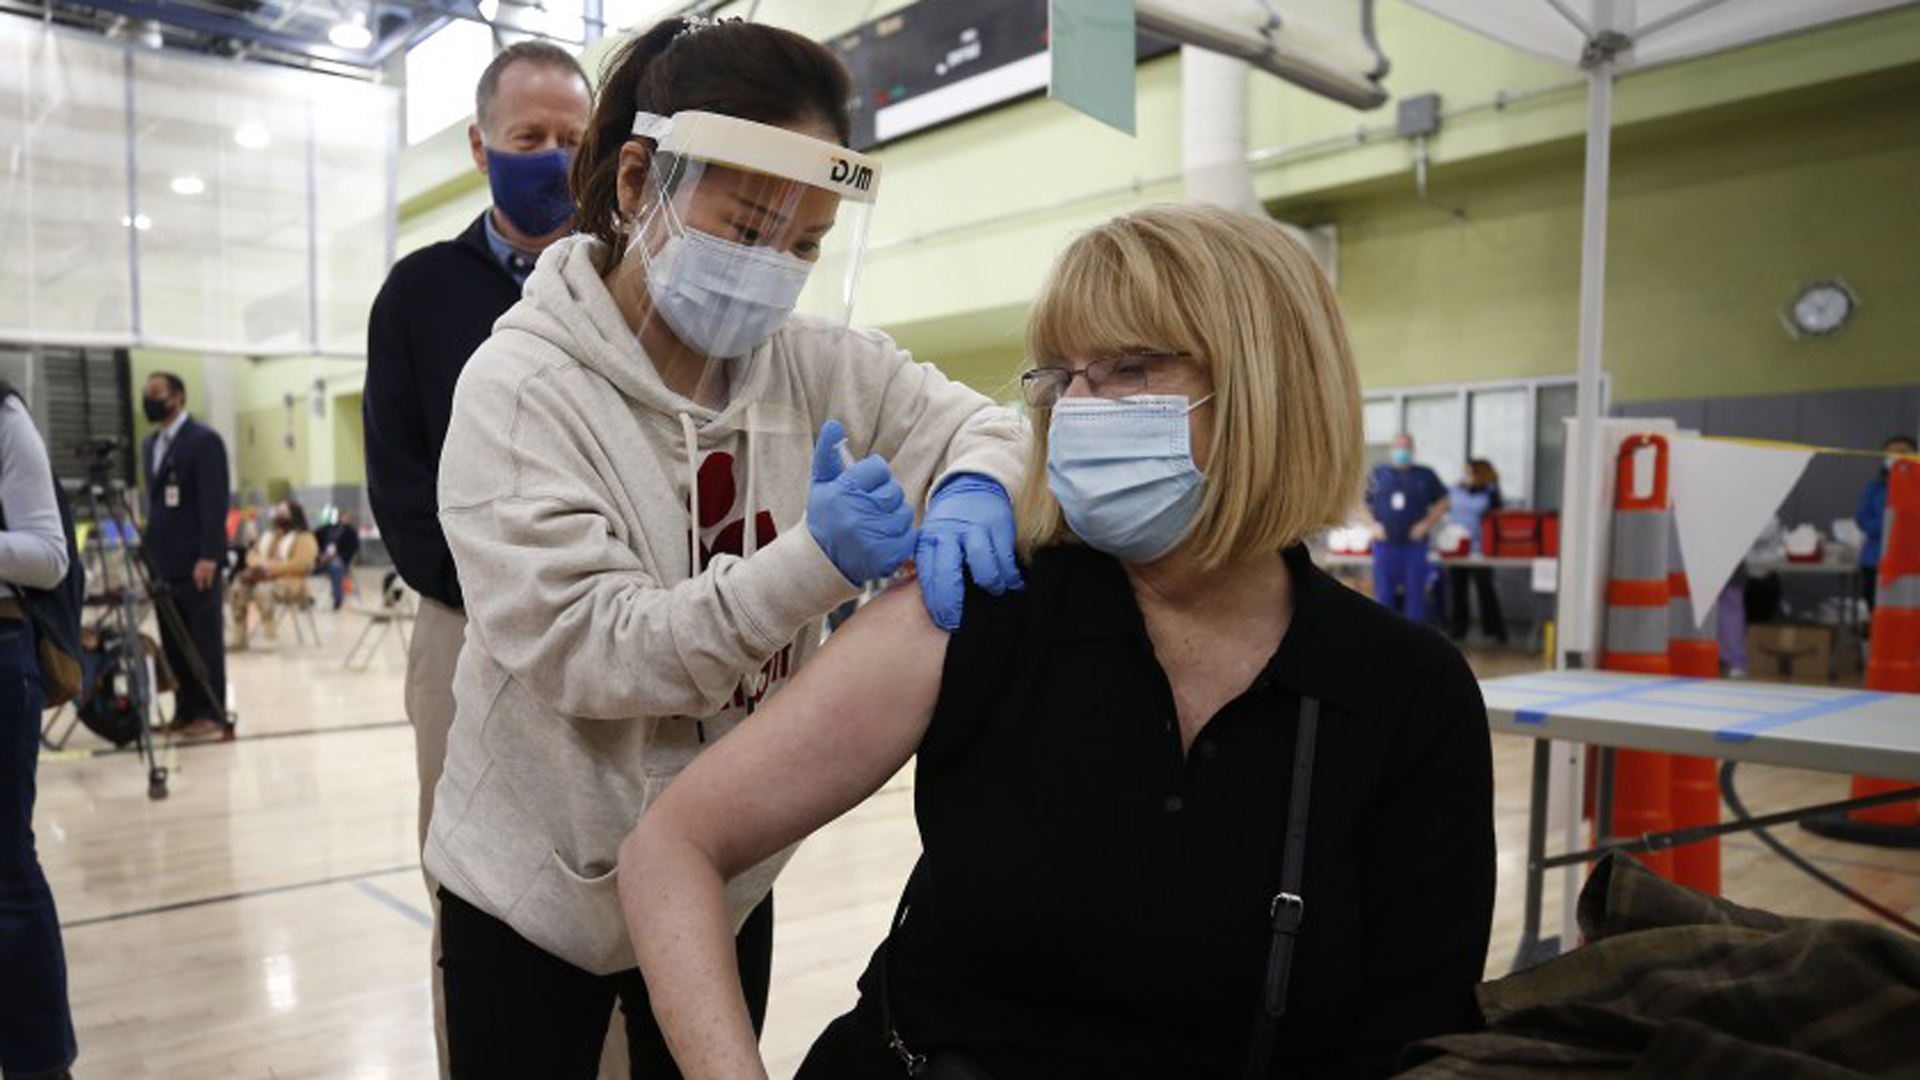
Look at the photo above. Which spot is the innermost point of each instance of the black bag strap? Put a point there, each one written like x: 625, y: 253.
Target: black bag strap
x: 915, y: 1063
x: 1288, y: 909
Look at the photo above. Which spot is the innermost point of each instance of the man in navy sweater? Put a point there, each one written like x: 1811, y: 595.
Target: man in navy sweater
x: 531, y: 110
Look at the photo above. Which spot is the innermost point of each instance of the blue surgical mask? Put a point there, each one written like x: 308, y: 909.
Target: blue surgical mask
x: 531, y: 189
x: 1123, y: 472
x: 720, y: 298
x: 1400, y: 455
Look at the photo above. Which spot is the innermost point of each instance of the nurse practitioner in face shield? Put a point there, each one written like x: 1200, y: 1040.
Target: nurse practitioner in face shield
x: 670, y: 460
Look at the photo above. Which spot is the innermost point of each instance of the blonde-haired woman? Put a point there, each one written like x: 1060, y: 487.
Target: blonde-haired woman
x: 1189, y: 808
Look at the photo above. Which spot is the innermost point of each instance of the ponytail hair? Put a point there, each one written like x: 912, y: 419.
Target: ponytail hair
x: 736, y: 68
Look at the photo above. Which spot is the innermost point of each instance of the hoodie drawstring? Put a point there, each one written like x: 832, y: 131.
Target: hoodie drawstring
x: 750, y: 540
x: 693, y: 520
x: 693, y: 494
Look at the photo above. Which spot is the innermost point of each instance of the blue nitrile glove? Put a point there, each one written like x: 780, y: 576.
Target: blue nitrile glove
x: 859, y: 516
x: 970, y: 519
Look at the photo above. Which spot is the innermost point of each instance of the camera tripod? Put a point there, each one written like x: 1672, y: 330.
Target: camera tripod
x: 125, y: 583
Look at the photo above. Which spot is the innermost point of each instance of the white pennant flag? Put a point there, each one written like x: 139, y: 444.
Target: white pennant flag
x: 1724, y: 494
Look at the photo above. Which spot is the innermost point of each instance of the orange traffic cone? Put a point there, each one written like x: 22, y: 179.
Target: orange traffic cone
x: 1893, y: 660
x: 1637, y: 638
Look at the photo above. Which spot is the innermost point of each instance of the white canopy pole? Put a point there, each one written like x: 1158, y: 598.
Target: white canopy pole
x: 1582, y: 513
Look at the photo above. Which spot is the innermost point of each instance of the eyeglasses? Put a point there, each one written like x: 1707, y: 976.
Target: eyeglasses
x: 1117, y: 375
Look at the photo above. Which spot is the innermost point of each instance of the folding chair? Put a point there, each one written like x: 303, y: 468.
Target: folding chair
x: 394, y: 612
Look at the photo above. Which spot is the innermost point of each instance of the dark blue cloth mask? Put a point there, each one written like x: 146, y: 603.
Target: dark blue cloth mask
x: 531, y: 189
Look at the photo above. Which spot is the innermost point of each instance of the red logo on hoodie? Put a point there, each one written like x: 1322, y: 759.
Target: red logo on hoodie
x: 722, y: 522
x: 722, y: 528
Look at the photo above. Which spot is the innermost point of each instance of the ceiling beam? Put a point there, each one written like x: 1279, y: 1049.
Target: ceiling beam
x: 199, y: 19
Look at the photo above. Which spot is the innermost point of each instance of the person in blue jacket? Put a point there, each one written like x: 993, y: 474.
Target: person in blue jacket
x: 1471, y: 500
x: 1871, y: 515
x: 1405, y: 502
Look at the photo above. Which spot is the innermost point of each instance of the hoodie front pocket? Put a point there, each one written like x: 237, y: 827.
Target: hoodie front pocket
x: 576, y: 916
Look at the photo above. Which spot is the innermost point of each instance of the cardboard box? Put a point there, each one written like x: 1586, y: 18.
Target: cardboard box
x: 1790, y: 652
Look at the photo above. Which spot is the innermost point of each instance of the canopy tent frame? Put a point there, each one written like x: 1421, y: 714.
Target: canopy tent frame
x: 1609, y: 41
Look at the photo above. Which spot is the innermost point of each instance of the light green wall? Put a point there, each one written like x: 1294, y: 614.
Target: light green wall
x: 1716, y: 219
x: 1736, y: 178
x: 263, y: 461
x: 267, y: 464
x: 1777, y: 177
x: 349, y: 440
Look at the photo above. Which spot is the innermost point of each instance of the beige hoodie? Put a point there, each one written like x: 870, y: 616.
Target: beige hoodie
x: 600, y: 655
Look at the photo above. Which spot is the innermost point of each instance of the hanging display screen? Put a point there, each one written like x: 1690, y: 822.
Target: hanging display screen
x: 939, y: 60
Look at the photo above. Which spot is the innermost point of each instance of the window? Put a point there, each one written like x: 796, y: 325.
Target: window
x: 1382, y: 420
x: 1518, y: 426
x: 187, y: 203
x: 1438, y: 425
x: 77, y: 397
x: 441, y: 73
x: 624, y: 15
x: 1499, y: 432
x: 1555, y: 408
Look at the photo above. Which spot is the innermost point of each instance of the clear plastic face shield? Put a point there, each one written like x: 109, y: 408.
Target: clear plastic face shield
x: 740, y: 225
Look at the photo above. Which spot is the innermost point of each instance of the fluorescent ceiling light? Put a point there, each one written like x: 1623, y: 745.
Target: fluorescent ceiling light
x: 352, y: 34
x: 252, y: 136
x: 138, y: 221
x: 188, y: 185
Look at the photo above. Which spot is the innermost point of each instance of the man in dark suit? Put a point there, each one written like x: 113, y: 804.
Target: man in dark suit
x: 186, y: 543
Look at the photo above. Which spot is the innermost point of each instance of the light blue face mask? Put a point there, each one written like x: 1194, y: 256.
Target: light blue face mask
x: 721, y: 298
x: 1123, y: 472
x: 1400, y: 455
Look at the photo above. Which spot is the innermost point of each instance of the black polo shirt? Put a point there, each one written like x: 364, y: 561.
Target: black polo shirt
x: 1094, y: 902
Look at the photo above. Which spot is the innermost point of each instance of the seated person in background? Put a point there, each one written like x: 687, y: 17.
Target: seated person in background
x: 339, y: 543
x: 1106, y: 761
x: 276, y: 571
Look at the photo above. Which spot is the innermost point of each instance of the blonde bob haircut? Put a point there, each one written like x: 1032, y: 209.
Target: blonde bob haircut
x: 1249, y: 304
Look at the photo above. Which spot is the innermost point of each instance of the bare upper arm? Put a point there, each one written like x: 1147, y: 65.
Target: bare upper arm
x: 846, y: 723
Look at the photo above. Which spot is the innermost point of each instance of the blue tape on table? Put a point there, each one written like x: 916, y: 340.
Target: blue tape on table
x: 1538, y: 714
x: 1745, y: 730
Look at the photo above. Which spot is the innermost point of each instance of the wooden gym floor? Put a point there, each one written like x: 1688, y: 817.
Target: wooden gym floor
x: 269, y: 918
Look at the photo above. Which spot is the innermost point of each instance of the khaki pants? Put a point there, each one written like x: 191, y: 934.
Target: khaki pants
x: 438, y: 634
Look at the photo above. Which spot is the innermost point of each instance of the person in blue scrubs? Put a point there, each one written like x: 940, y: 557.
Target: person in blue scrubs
x: 1871, y: 515
x: 1404, y: 503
